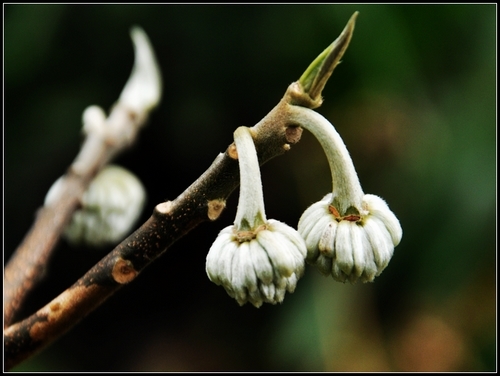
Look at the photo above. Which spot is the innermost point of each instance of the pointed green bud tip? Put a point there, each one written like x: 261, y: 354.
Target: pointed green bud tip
x: 317, y: 74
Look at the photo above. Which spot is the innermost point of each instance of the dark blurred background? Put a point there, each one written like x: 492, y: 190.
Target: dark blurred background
x: 414, y: 100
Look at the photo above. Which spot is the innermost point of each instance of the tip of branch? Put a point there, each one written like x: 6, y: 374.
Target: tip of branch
x: 314, y: 79
x: 142, y: 92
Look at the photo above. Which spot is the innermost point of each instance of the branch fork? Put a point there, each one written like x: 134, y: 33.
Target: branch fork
x: 203, y: 200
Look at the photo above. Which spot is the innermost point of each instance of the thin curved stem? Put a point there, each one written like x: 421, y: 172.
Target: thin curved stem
x: 251, y: 211
x: 345, y: 182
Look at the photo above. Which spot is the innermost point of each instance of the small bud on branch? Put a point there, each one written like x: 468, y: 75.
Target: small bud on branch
x: 104, y: 140
x: 319, y: 71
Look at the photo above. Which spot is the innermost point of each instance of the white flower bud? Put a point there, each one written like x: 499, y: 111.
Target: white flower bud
x: 110, y: 207
x: 353, y: 247
x: 348, y: 234
x: 258, y: 270
x: 256, y: 260
x: 142, y: 91
x: 94, y: 120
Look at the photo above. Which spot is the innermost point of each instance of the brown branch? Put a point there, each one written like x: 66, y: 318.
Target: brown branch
x: 26, y: 266
x: 105, y: 138
x: 203, y: 200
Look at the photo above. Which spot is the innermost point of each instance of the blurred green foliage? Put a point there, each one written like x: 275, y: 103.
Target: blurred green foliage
x: 414, y: 100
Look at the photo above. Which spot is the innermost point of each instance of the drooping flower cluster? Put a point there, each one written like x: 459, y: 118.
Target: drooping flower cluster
x: 109, y: 208
x: 259, y: 268
x: 256, y: 260
x: 353, y: 246
x: 349, y: 234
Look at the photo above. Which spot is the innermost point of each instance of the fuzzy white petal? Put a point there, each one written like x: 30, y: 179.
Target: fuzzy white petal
x: 294, y: 252
x: 269, y: 291
x: 229, y: 291
x: 292, y: 234
x: 343, y: 247
x: 338, y: 274
x: 214, y: 259
x: 246, y: 266
x: 238, y: 275
x: 371, y: 269
x: 326, y: 244
x: 282, y: 261
x: 261, y: 263
x: 291, y: 283
x: 324, y: 264
x: 381, y: 242
x: 359, y: 249
x: 280, y: 293
x: 255, y: 297
x: 379, y: 208
x: 227, y: 264
x: 312, y: 240
x: 310, y: 216
x: 294, y: 245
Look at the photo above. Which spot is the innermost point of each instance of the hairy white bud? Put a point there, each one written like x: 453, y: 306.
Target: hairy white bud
x: 94, y: 119
x: 110, y: 207
x: 353, y: 247
x: 259, y: 269
x: 142, y: 91
x: 348, y: 234
x: 256, y: 260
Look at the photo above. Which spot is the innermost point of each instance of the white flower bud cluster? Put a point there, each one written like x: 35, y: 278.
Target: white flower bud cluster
x: 260, y: 269
x: 111, y: 205
x: 353, y: 247
x: 256, y: 260
x: 348, y: 234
